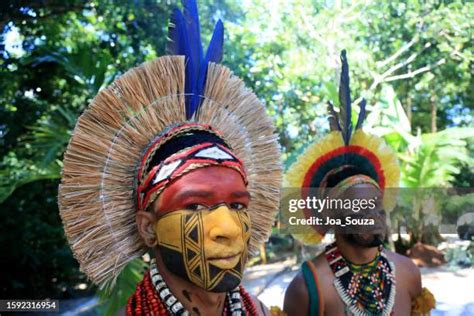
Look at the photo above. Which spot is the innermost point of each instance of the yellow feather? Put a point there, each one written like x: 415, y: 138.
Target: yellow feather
x: 294, y: 177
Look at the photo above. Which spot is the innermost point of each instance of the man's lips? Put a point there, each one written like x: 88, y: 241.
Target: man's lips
x: 226, y: 257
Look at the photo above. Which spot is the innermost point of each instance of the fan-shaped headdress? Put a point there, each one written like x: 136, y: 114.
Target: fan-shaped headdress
x: 343, y: 154
x: 152, y: 125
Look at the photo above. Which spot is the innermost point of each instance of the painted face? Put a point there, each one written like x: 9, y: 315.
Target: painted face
x: 203, y: 227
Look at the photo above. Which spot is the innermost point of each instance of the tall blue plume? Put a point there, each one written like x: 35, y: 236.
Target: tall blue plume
x: 185, y: 39
x: 342, y: 121
x: 345, y: 100
x: 361, y: 117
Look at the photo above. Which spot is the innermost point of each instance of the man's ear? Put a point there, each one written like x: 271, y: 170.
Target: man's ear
x: 146, y: 227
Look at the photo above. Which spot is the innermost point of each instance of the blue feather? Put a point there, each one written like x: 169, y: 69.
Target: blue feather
x: 345, y: 100
x: 191, y: 16
x: 215, y: 51
x: 179, y: 45
x: 214, y: 54
x: 176, y: 34
x: 185, y: 39
x: 361, y: 118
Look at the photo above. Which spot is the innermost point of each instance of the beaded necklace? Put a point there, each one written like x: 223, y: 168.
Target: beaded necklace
x: 367, y: 289
x: 153, y: 297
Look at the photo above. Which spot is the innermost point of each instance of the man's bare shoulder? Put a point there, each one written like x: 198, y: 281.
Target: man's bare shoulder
x: 323, y: 269
x: 407, y: 271
x: 296, y: 300
x: 403, y: 262
x: 296, y: 296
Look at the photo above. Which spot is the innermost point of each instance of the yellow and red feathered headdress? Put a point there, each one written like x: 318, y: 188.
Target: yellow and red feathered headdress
x: 344, y: 149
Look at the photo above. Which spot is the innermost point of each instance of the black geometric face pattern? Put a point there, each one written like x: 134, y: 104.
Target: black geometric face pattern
x: 189, y: 259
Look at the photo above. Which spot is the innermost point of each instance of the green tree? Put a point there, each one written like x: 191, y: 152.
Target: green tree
x: 430, y: 163
x: 65, y: 52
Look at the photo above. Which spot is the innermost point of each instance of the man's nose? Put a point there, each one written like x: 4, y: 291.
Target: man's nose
x: 224, y: 225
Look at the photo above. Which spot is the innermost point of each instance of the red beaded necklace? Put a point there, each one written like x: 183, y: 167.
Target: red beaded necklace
x: 145, y: 301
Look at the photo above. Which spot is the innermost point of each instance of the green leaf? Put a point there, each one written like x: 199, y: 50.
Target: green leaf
x: 114, y: 299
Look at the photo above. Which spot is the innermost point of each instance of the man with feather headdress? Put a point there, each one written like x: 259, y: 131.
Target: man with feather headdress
x: 176, y: 157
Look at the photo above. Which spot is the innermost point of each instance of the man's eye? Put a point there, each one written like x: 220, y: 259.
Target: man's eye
x: 237, y: 206
x: 195, y: 207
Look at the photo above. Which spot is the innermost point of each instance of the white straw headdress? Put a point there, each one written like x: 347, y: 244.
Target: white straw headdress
x: 97, y: 192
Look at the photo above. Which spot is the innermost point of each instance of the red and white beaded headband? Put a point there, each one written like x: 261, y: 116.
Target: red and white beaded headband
x: 152, y: 180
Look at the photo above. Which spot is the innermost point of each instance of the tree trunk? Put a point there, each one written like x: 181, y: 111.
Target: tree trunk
x: 431, y: 235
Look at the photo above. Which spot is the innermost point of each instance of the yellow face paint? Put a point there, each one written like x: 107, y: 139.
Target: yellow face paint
x: 207, y: 247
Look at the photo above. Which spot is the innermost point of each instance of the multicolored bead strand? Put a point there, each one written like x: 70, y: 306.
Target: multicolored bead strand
x: 367, y: 289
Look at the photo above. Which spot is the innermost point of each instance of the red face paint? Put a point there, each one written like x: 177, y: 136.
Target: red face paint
x: 204, y: 188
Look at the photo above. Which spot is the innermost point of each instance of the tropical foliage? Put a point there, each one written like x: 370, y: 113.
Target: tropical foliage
x: 412, y: 61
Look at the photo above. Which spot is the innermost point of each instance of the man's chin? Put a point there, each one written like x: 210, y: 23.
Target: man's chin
x: 228, y: 283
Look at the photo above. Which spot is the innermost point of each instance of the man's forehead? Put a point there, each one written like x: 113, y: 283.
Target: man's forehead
x: 207, y: 177
x: 363, y: 191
